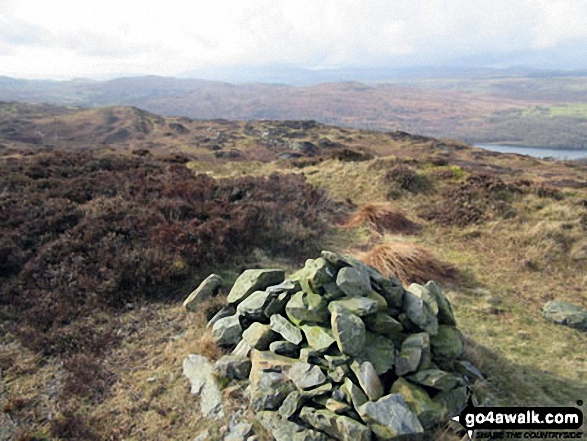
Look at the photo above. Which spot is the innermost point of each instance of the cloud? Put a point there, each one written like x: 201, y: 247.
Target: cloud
x: 104, y: 37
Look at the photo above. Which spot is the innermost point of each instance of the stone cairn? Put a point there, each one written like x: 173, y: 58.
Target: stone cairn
x: 338, y: 351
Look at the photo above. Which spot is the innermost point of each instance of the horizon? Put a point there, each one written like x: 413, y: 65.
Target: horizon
x: 104, y: 40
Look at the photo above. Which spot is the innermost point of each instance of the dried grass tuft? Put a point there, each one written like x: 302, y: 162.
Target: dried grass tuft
x: 383, y: 218
x: 408, y: 262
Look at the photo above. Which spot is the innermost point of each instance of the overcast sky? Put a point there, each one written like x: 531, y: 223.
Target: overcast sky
x: 63, y: 39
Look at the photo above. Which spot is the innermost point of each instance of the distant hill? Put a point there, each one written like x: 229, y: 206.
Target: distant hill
x: 545, y: 109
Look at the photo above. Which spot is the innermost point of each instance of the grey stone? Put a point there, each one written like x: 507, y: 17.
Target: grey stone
x: 339, y: 373
x: 353, y: 393
x: 259, y: 336
x: 414, y: 355
x: 335, y: 406
x: 348, y: 331
x: 207, y: 289
x: 253, y: 280
x: 351, y: 430
x: 225, y: 311
x: 316, y: 274
x: 284, y: 430
x: 318, y: 337
x: 436, y: 379
x: 353, y: 282
x: 288, y: 331
x: 242, y: 349
x: 453, y: 401
x: 425, y: 295
x: 305, y: 307
x: 253, y: 307
x: 239, y: 432
x: 227, y: 331
x: 360, y: 306
x: 428, y: 412
x: 269, y: 390
x: 200, y: 372
x: 306, y: 376
x: 368, y: 379
x: 380, y: 352
x: 468, y: 371
x: 420, y: 313
x: 445, y: 312
x: 390, y: 417
x: 285, y: 348
x: 233, y: 366
x: 564, y: 313
x: 383, y: 324
x: 323, y: 420
x: 291, y: 404
x: 285, y: 286
x: 448, y: 344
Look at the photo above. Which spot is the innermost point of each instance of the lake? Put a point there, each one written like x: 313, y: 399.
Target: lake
x: 536, y: 152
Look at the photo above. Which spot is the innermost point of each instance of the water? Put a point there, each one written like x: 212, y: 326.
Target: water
x: 536, y: 152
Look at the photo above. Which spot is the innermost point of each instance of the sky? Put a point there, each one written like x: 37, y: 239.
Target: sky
x: 64, y: 39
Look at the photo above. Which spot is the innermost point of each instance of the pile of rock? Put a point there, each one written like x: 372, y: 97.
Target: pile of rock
x: 339, y: 351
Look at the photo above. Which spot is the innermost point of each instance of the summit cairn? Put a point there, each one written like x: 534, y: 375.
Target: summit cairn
x: 338, y: 351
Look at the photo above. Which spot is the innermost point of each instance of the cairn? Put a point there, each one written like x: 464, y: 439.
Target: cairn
x: 338, y: 351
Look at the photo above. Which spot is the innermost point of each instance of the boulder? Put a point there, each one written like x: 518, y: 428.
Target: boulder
x: 428, y: 412
x: 200, y: 372
x: 380, y: 352
x: 567, y: 314
x: 227, y: 331
x: 288, y: 331
x: 207, y: 289
x: 253, y: 307
x: 318, y: 337
x: 420, y: 313
x: 253, y: 280
x: 304, y: 307
x: 306, y: 375
x: 368, y: 379
x: 259, y: 336
x: 360, y: 306
x: 390, y: 417
x: 353, y: 282
x: 414, y: 355
x: 351, y: 430
x: 348, y: 331
x: 445, y: 313
x: 233, y: 366
x: 448, y: 344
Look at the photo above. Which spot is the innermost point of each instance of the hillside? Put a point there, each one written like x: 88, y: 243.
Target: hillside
x: 545, y: 110
x: 111, y: 216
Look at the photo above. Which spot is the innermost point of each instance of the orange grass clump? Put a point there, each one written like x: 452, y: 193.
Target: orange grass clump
x: 408, y: 262
x: 383, y: 218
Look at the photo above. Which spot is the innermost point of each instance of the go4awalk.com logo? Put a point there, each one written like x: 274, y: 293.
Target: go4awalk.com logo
x: 522, y: 422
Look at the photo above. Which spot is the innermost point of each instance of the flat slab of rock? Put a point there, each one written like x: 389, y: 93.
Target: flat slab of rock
x: 360, y: 306
x: 207, y: 289
x: 566, y: 314
x: 368, y: 379
x: 253, y: 280
x: 283, y: 326
x: 390, y: 417
x: 318, y: 337
x: 200, y: 372
x: 259, y: 336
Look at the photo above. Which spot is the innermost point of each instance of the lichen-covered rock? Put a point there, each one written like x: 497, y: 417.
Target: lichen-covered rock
x: 351, y: 430
x: 323, y: 420
x: 380, y: 352
x: 269, y: 390
x: 306, y: 375
x: 353, y: 393
x: 420, y: 313
x: 448, y: 344
x: 453, y: 401
x: 428, y: 412
x: 288, y: 331
x: 359, y: 306
x: 348, y: 331
x: 353, y: 282
x: 565, y: 313
x: 253, y: 307
x: 436, y: 379
x: 225, y: 311
x: 414, y: 355
x: 318, y: 337
x: 304, y: 307
x: 292, y: 403
x: 227, y: 331
x: 445, y: 312
x: 368, y: 379
x: 206, y: 290
x: 390, y: 417
x: 253, y: 280
x: 259, y: 336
